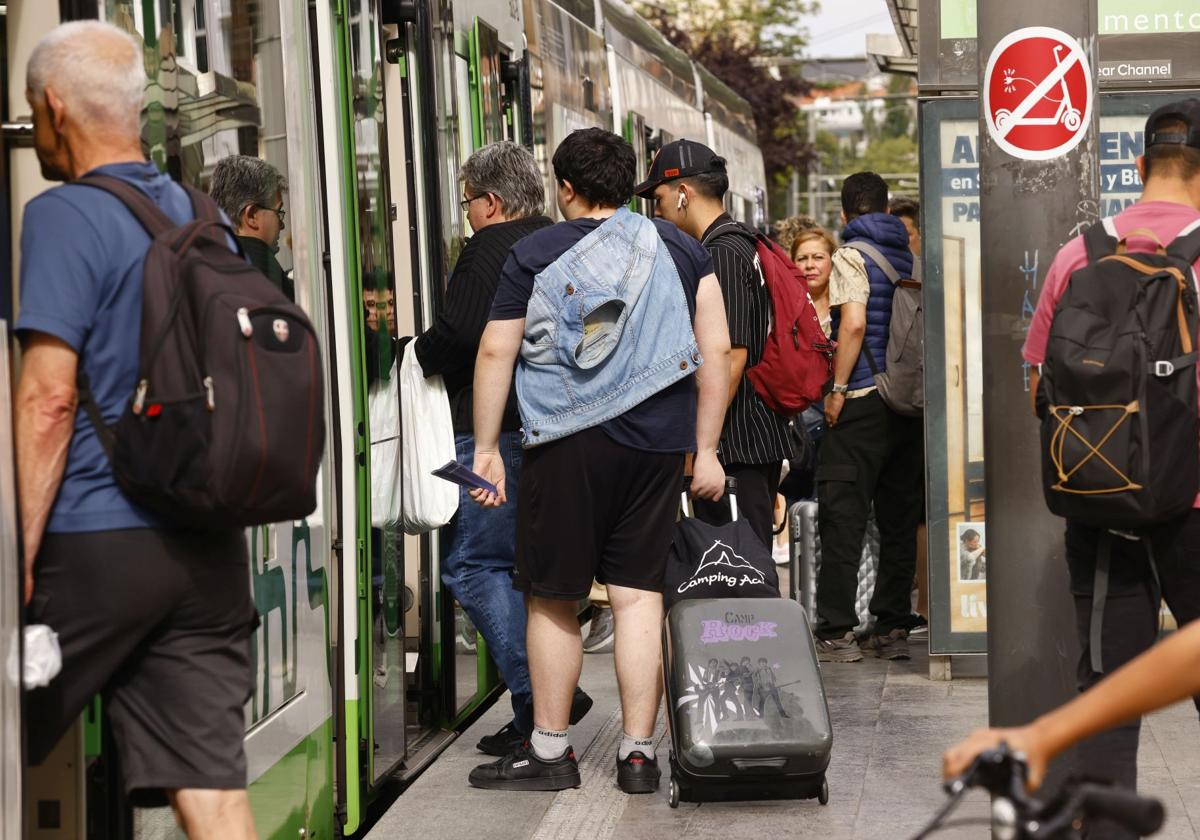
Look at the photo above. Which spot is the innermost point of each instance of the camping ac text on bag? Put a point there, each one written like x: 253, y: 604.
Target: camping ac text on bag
x: 1118, y: 387
x: 901, y: 384
x: 797, y: 359
x: 226, y: 427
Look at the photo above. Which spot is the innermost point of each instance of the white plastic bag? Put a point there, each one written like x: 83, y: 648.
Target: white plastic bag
x: 384, y: 412
x: 427, y: 439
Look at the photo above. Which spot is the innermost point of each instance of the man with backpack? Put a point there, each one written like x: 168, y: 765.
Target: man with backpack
x: 871, y: 455
x: 155, y: 618
x: 687, y: 183
x: 606, y: 317
x: 1131, y: 568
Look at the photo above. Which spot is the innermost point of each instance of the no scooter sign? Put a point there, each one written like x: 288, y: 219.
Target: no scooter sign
x: 1037, y: 93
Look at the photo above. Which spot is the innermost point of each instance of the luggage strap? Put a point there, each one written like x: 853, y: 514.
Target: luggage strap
x: 1100, y: 591
x: 1167, y: 367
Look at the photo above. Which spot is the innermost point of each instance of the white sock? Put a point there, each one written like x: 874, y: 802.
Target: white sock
x: 630, y: 744
x: 548, y: 745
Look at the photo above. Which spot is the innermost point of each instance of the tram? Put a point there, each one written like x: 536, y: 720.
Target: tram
x: 365, y: 668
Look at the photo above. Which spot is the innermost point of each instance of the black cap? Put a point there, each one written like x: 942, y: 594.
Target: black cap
x: 679, y: 159
x: 1186, y: 111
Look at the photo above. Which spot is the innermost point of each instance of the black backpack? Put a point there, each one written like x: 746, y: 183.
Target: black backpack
x: 1118, y: 392
x: 226, y: 426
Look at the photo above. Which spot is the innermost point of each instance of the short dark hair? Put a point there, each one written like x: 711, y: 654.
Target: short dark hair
x: 1172, y: 159
x: 907, y: 208
x: 599, y: 165
x: 969, y: 534
x: 712, y: 185
x: 863, y: 193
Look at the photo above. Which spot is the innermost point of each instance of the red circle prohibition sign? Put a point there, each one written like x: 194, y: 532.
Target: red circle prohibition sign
x: 1037, y: 93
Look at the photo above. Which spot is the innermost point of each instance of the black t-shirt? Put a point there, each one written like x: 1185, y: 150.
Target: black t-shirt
x: 665, y: 422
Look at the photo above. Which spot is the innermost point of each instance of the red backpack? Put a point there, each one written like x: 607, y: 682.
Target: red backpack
x: 797, y: 360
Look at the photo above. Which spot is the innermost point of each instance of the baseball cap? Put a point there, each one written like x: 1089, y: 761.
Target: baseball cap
x: 679, y: 159
x: 1186, y: 111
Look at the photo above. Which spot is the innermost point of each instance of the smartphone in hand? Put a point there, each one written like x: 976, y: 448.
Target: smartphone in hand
x: 463, y: 477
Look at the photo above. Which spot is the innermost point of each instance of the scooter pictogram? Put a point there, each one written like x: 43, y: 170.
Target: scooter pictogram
x: 1067, y: 114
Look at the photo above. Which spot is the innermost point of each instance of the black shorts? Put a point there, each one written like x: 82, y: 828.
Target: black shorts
x: 159, y: 624
x: 588, y: 507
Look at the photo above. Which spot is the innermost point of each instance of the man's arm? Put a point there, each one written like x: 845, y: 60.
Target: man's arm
x: 851, y: 329
x: 712, y: 336
x: 737, y: 367
x: 44, y: 421
x: 451, y: 343
x: 1167, y: 673
x: 498, y: 351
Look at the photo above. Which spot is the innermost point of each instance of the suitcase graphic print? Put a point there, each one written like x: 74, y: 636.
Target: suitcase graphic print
x: 745, y: 702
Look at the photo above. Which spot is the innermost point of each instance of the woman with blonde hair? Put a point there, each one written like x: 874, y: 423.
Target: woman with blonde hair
x: 812, y: 252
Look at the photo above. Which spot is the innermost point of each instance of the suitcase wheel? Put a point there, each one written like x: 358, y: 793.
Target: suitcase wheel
x: 673, y: 793
x: 823, y: 793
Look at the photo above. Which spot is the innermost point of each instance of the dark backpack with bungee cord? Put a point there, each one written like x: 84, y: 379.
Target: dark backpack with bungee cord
x: 226, y: 426
x: 1118, y: 397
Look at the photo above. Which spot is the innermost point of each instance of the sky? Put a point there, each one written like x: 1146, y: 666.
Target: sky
x: 840, y: 28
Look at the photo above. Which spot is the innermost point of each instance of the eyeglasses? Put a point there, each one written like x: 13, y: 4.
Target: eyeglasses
x: 465, y: 204
x: 278, y: 211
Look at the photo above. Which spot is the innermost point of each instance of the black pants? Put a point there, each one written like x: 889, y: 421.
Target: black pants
x: 1130, y: 627
x: 872, y: 456
x: 757, y: 485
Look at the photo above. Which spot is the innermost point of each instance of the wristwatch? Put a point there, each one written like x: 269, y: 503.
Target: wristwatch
x: 840, y: 389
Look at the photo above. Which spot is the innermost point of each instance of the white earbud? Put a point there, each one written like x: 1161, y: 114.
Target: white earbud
x: 682, y: 202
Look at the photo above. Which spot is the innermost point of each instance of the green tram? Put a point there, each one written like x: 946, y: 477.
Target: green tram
x: 365, y: 668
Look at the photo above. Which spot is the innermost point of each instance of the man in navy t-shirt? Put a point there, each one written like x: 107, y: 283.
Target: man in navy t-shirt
x: 156, y: 620
x: 599, y: 499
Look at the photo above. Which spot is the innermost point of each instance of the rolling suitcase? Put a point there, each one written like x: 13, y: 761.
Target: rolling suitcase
x: 745, y: 702
x: 805, y: 559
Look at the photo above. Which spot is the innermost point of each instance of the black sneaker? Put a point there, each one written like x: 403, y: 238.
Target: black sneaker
x: 892, y: 646
x: 638, y: 774
x: 523, y: 770
x: 500, y: 744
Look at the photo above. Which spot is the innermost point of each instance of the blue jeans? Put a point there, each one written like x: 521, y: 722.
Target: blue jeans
x: 480, y: 546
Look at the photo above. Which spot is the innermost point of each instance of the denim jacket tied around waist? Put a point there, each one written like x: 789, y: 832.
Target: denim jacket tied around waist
x: 608, y: 326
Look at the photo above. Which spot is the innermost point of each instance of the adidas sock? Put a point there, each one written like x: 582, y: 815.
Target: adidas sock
x: 630, y: 744
x: 547, y: 744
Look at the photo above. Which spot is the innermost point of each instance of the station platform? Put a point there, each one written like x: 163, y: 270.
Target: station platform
x: 891, y: 725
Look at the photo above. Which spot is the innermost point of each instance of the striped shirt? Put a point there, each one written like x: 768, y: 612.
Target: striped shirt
x: 753, y: 434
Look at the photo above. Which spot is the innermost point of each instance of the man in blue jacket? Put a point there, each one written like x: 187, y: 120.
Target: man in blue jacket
x: 870, y: 454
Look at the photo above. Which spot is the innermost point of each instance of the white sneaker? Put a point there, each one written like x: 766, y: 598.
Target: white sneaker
x: 781, y: 554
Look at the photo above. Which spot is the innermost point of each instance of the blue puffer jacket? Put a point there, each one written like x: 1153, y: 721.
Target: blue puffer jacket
x: 888, y: 234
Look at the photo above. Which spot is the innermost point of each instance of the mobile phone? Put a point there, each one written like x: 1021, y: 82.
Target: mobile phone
x: 463, y: 477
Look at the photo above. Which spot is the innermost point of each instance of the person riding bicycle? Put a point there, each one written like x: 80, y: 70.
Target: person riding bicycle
x: 1167, y: 673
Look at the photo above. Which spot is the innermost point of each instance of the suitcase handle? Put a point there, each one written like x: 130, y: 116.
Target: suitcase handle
x: 758, y: 764
x: 730, y: 492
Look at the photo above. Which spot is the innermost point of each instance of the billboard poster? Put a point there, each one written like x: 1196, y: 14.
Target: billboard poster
x: 1141, y: 43
x: 954, y: 341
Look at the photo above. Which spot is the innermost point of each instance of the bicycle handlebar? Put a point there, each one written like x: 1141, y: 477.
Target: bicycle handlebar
x: 1139, y: 814
x: 1002, y: 773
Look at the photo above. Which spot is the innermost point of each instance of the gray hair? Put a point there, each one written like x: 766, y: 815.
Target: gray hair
x: 96, y: 69
x: 509, y: 172
x: 241, y: 180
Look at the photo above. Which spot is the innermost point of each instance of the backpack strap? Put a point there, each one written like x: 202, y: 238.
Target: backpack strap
x: 1186, y: 246
x: 87, y: 402
x: 203, y: 207
x: 878, y: 258
x: 1101, y: 240
x: 153, y: 219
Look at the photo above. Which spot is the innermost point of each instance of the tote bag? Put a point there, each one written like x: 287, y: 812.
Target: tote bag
x: 427, y: 442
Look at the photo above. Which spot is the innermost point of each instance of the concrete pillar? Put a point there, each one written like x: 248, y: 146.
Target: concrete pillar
x: 1028, y: 210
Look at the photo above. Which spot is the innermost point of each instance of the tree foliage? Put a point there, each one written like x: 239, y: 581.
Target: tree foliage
x: 730, y: 39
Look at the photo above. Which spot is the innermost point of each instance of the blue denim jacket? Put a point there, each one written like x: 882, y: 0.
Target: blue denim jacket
x: 608, y: 326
